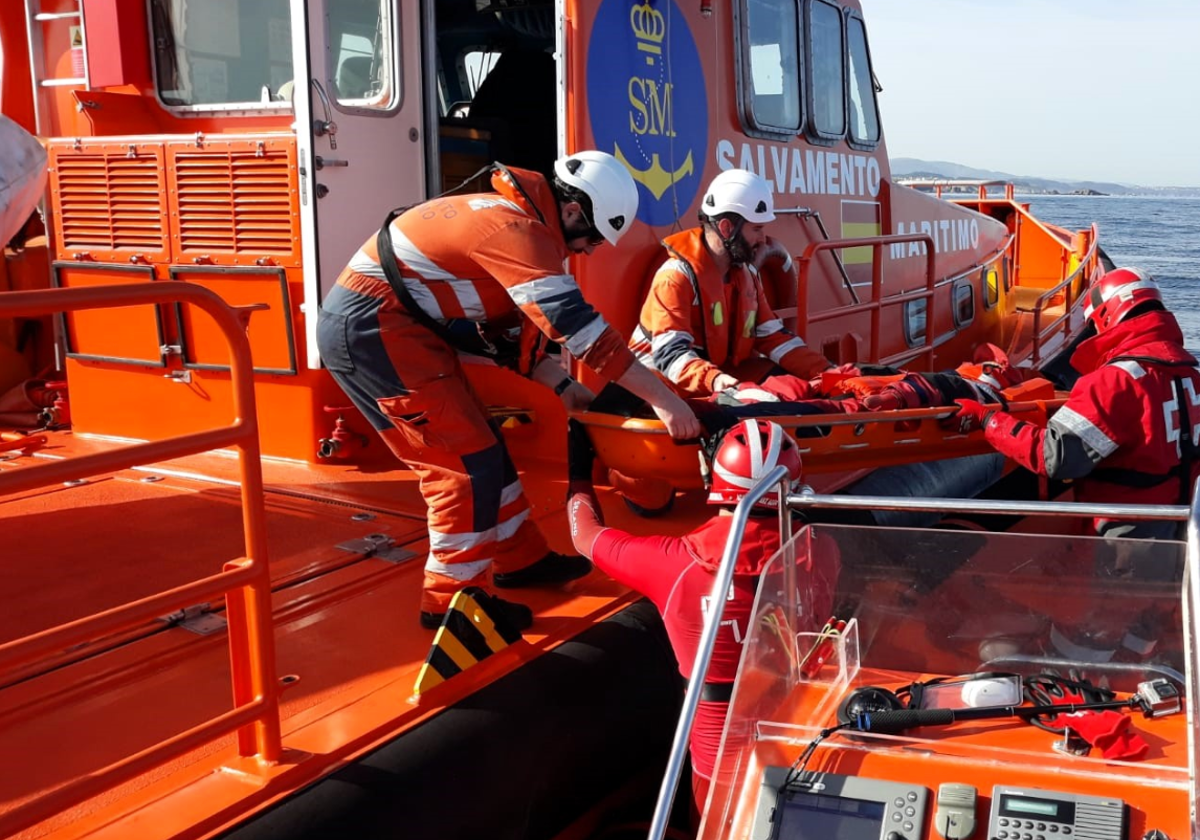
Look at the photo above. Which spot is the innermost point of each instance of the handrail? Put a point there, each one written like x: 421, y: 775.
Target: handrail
x: 1067, y: 288
x: 245, y: 582
x: 877, y: 302
x: 712, y: 622
x: 1191, y: 603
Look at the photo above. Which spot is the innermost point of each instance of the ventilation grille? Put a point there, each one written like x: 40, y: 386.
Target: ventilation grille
x: 110, y: 202
x: 236, y: 202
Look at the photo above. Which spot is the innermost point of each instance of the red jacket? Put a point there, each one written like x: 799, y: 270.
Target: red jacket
x: 677, y: 574
x: 1121, y: 426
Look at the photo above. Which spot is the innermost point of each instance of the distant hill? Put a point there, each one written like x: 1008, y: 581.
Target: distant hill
x: 916, y: 168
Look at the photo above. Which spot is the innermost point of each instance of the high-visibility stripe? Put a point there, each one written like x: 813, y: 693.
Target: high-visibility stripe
x: 468, y: 635
x: 411, y: 256
x: 767, y: 328
x: 582, y: 341
x: 1075, y: 423
x: 534, y: 291
x: 454, y: 571
x: 788, y: 346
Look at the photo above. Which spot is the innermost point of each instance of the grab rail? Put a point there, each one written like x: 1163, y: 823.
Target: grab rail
x: 245, y: 582
x: 1071, y: 294
x: 877, y: 302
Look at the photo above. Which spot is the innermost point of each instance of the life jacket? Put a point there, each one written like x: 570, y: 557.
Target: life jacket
x: 728, y: 336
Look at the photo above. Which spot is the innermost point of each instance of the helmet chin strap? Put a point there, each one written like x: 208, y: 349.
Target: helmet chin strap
x: 736, y: 247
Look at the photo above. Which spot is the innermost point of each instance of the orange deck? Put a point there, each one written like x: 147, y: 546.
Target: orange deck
x: 346, y: 627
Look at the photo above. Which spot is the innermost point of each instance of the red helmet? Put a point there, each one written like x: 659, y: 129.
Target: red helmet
x: 747, y: 452
x: 1116, y: 294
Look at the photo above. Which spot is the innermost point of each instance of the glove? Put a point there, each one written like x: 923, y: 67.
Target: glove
x: 580, y: 453
x: 971, y: 416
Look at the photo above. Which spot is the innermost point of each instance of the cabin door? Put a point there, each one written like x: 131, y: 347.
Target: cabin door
x: 359, y: 130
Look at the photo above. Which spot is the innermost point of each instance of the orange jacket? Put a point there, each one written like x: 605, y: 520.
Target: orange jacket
x: 493, y: 258
x: 694, y: 325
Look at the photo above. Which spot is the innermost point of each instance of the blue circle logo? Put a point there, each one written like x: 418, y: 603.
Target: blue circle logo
x: 647, y: 102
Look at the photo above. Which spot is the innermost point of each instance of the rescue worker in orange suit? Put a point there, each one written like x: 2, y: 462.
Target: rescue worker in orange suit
x: 706, y: 325
x: 677, y: 573
x: 491, y: 267
x: 1130, y: 428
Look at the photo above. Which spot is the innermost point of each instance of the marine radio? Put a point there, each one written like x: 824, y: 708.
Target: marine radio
x: 1018, y: 813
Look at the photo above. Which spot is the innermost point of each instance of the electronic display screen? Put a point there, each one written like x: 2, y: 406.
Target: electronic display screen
x: 1049, y: 809
x: 811, y: 816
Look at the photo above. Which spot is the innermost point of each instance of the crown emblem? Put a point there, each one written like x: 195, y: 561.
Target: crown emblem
x: 648, y: 27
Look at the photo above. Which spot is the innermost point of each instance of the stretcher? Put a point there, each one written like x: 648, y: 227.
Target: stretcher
x: 641, y: 448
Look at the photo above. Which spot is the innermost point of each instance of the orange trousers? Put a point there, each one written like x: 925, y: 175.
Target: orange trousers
x: 409, y: 383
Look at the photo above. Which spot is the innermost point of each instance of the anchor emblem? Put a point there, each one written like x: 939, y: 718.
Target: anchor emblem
x: 655, y: 178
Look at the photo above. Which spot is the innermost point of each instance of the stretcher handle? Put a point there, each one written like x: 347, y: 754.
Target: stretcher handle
x: 938, y: 412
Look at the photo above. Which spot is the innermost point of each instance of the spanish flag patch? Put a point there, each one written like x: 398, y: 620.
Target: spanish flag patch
x: 469, y: 634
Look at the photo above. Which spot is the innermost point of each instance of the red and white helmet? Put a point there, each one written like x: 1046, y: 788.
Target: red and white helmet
x: 1116, y: 294
x: 747, y: 452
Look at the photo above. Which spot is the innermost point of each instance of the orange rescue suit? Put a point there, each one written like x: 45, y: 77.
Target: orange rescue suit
x: 698, y: 323
x: 495, y: 259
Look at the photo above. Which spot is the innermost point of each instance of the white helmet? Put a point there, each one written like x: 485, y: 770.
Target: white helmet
x: 603, y: 179
x: 742, y: 192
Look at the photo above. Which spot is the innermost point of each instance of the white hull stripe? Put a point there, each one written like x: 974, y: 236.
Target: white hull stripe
x: 1075, y: 423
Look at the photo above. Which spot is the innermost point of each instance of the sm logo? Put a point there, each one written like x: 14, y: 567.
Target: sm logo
x: 647, y: 102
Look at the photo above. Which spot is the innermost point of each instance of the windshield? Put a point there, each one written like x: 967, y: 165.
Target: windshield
x: 960, y: 607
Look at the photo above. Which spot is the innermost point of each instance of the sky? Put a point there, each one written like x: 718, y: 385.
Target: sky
x: 1095, y: 90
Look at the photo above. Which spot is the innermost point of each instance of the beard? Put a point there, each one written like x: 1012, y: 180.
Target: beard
x: 739, y: 250
x: 576, y: 229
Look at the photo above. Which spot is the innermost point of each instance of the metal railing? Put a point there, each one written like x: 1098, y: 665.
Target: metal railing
x: 877, y: 301
x: 712, y: 622
x: 806, y: 498
x: 244, y: 582
x: 1071, y: 288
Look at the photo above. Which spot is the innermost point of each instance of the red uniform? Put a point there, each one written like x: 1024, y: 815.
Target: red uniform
x: 1122, y: 426
x: 697, y: 323
x: 677, y: 574
x: 497, y: 260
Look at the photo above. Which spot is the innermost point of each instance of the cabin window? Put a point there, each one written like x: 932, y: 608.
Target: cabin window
x: 864, y: 115
x: 364, y: 71
x: 915, y: 312
x: 826, y: 56
x: 990, y: 283
x: 964, y: 303
x: 771, y: 66
x: 229, y: 53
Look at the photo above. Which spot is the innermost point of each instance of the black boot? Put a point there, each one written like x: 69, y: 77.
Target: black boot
x: 517, y: 616
x: 552, y: 569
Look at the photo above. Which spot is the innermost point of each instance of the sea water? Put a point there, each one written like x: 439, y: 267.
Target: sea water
x: 1160, y: 235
